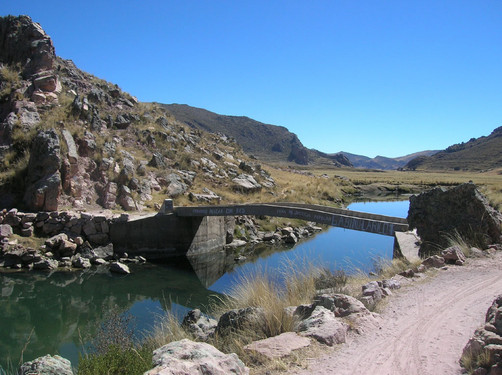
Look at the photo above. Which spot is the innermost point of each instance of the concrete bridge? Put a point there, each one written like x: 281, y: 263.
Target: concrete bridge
x: 177, y: 231
x: 337, y: 217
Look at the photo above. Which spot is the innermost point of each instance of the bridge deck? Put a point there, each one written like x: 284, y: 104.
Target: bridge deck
x: 337, y: 217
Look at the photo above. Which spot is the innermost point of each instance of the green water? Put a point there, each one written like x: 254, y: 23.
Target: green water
x: 55, y: 313
x: 42, y: 313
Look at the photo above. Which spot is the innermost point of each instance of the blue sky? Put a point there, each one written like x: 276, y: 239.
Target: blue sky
x: 375, y: 77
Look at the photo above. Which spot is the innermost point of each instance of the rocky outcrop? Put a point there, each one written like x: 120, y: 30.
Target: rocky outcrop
x: 462, y: 209
x: 487, y: 342
x: 43, y: 180
x: 47, y: 365
x: 188, y: 357
x: 26, y: 43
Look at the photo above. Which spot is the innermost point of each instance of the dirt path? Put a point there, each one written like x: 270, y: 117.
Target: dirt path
x: 423, y: 328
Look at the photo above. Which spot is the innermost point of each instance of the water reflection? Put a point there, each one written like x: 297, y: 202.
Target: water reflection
x: 58, y: 308
x: 52, y: 311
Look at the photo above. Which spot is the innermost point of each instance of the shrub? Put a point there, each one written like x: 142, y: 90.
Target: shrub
x: 114, y: 350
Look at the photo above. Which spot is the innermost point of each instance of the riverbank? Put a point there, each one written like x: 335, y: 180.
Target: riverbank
x: 423, y: 328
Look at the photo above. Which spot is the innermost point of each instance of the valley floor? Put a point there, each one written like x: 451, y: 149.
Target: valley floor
x: 423, y: 328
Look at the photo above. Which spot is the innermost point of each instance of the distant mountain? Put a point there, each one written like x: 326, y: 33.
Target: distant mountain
x: 267, y: 142
x: 477, y: 154
x: 382, y: 162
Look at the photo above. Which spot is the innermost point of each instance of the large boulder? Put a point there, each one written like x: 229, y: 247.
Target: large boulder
x: 323, y: 326
x: 240, y: 318
x: 462, y: 209
x: 46, y: 365
x: 188, y: 357
x: 246, y: 183
x: 43, y: 180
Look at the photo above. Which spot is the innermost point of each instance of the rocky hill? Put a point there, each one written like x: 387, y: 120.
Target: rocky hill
x: 382, y: 162
x: 69, y: 140
x: 477, y: 154
x: 269, y: 143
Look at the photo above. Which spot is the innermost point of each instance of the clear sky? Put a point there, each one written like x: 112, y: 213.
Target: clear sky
x: 374, y: 77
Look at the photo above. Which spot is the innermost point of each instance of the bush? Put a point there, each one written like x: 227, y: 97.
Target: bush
x: 117, y: 360
x: 114, y: 351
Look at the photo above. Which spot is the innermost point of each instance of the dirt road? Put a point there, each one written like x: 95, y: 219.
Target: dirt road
x: 424, y: 327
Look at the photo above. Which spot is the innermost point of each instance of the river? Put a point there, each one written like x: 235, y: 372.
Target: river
x: 55, y: 313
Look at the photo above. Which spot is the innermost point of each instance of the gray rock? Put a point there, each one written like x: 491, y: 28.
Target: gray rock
x: 188, y: 357
x: 324, y: 327
x: 80, y: 262
x: 199, y: 325
x: 46, y: 264
x: 55, y: 241
x: 117, y: 267
x: 240, y: 318
x: 246, y: 184
x: 373, y: 290
x: 46, y: 365
x: 157, y: 161
x: 434, y: 261
x: 340, y: 304
x: 461, y: 210
x: 5, y: 231
x: 72, y: 147
x: 453, y: 255
x: 105, y: 252
x: 43, y: 180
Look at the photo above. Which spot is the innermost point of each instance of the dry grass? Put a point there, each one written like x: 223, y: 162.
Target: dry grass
x: 471, y: 361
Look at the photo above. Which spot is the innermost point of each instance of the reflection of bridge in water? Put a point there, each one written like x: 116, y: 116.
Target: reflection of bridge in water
x: 337, y: 217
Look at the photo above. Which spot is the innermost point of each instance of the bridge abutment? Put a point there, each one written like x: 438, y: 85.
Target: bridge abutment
x: 163, y: 236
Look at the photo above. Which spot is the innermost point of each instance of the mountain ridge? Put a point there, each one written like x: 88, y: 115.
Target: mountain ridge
x: 383, y: 162
x: 271, y: 143
x: 477, y: 154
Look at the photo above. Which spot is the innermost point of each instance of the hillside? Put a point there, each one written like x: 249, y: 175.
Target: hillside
x: 72, y: 141
x: 382, y: 162
x: 478, y: 154
x: 269, y: 143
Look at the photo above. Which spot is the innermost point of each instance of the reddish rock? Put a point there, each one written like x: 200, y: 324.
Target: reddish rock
x: 279, y: 346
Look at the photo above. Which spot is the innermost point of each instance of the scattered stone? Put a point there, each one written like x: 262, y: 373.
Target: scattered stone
x: 453, y: 255
x: 279, y: 346
x: 188, y: 357
x: 5, y: 231
x: 46, y: 365
x: 240, y: 318
x: 246, y: 184
x: 324, y: 327
x: 80, y: 262
x: 199, y: 325
x: 46, y: 264
x: 407, y: 273
x: 340, y: 304
x: 120, y: 268
x: 434, y: 261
